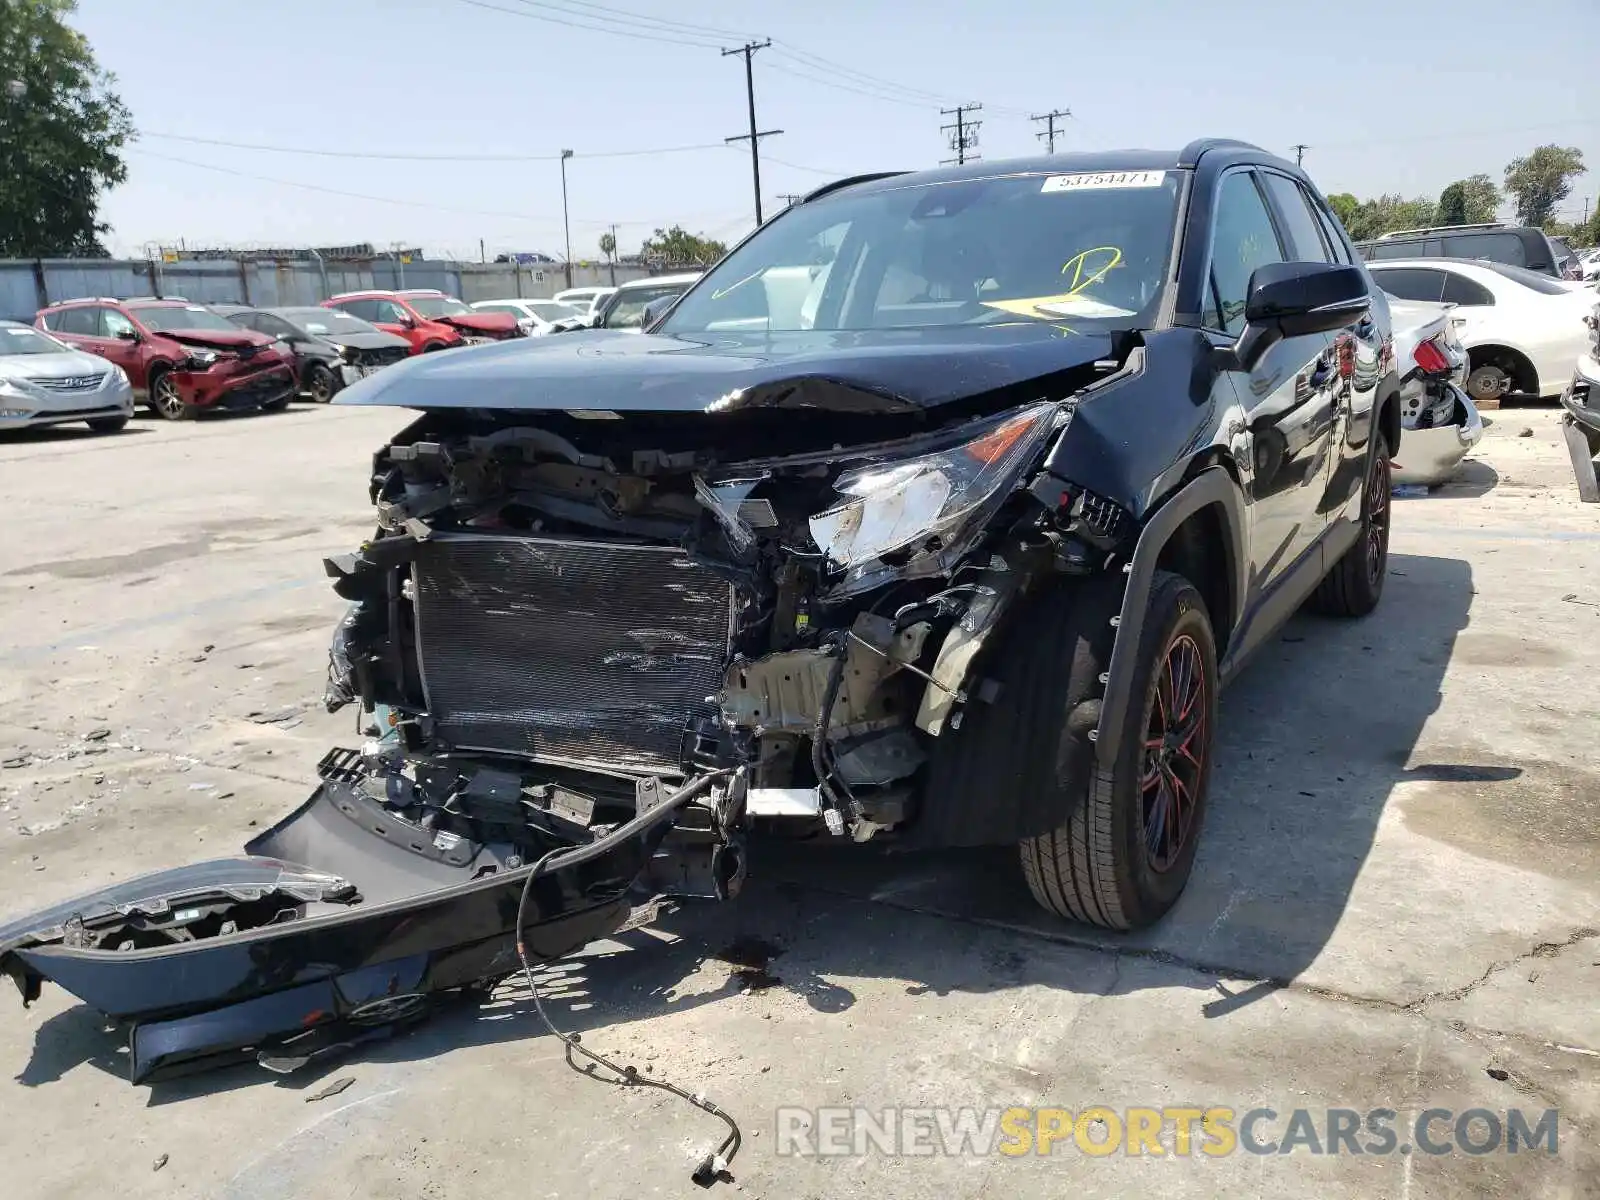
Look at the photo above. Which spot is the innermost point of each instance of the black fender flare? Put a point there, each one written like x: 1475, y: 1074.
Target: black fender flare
x: 1211, y: 486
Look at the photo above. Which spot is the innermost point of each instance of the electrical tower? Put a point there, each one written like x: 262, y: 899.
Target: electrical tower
x: 963, y: 132
x: 748, y: 50
x: 1048, y: 133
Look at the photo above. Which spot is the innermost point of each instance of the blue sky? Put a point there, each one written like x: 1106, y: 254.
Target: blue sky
x: 1398, y: 96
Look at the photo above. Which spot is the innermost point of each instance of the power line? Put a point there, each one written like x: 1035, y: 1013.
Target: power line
x: 1048, y: 133
x: 748, y: 50
x: 620, y: 32
x: 400, y: 156
x: 963, y: 133
x: 845, y: 87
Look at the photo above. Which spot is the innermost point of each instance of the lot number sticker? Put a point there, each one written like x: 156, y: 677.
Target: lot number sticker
x: 1089, y: 180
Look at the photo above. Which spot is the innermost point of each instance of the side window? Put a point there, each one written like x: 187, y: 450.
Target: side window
x: 1497, y: 247
x: 1333, y: 232
x: 114, y: 324
x: 367, y: 310
x: 1305, y: 235
x: 270, y: 325
x: 83, y: 320
x: 388, y: 310
x: 1242, y: 239
x: 1458, y: 289
x: 1411, y: 283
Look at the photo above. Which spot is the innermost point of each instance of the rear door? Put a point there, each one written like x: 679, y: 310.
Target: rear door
x: 1287, y: 398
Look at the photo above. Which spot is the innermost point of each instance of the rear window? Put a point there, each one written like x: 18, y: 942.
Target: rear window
x: 1403, y: 248
x: 1531, y: 279
x: 1411, y: 283
x: 1497, y: 247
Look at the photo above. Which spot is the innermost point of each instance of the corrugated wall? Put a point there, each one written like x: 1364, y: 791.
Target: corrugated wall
x: 26, y: 285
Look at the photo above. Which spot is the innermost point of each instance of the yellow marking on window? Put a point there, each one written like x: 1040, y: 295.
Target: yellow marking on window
x: 1078, y: 264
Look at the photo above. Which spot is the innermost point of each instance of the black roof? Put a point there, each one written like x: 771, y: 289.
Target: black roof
x: 1056, y: 164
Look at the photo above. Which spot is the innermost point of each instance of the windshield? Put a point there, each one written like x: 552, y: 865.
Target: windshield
x: 188, y: 316
x: 549, y: 310
x: 625, y: 309
x: 1078, y: 247
x: 438, y: 306
x: 325, y: 320
x: 1533, y: 279
x: 21, y: 340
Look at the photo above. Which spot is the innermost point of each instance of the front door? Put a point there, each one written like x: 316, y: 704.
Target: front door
x: 1288, y: 399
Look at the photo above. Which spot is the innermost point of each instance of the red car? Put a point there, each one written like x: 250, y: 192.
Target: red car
x: 428, y: 319
x: 182, y: 358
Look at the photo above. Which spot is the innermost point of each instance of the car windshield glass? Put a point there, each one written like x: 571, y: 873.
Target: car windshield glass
x: 1075, y: 248
x: 551, y: 311
x: 325, y: 320
x: 188, y: 316
x: 1532, y: 279
x: 625, y: 309
x: 438, y: 306
x: 21, y: 340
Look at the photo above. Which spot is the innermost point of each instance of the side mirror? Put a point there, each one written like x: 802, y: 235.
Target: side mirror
x: 1296, y: 299
x: 655, y: 310
x: 128, y: 335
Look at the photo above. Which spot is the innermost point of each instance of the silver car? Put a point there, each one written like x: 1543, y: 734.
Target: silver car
x: 46, y: 382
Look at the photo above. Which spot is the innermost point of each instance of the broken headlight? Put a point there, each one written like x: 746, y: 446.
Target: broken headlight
x: 920, y: 512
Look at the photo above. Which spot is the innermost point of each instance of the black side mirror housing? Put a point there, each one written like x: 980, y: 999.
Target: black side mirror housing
x: 655, y: 310
x: 1297, y: 299
x: 128, y: 335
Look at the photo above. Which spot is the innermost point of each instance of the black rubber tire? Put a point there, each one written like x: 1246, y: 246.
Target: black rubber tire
x: 108, y: 424
x: 177, y: 411
x: 1355, y: 585
x: 1094, y: 868
x: 320, y: 383
x: 278, y: 405
x: 433, y: 347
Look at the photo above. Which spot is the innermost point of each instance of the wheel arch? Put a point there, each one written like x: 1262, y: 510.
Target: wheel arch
x: 154, y: 372
x: 1524, y: 375
x: 1210, y: 503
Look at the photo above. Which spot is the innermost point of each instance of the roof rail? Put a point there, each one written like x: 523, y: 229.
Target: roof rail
x: 1190, y: 154
x: 1395, y: 233
x: 178, y: 299
x: 849, y: 182
x: 85, y: 300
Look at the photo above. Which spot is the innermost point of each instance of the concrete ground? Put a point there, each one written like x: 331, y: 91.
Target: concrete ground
x: 1396, y: 904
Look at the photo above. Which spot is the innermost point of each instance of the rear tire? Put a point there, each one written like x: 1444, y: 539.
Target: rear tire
x: 320, y: 383
x: 1123, y: 857
x: 167, y: 400
x: 107, y: 424
x: 1355, y: 585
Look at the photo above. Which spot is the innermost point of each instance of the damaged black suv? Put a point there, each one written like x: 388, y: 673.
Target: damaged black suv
x: 938, y: 511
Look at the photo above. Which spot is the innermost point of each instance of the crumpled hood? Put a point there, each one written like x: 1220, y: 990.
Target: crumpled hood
x: 492, y: 324
x: 884, y: 370
x: 212, y: 339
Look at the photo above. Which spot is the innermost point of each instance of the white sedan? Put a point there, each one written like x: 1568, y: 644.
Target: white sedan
x: 537, y: 317
x: 1523, y: 332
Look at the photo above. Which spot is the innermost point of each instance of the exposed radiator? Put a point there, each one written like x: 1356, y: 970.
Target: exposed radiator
x: 589, y: 653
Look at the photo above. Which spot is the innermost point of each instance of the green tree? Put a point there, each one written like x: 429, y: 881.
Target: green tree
x: 1541, y: 180
x: 681, y: 248
x: 62, y: 129
x: 1387, y: 213
x: 1452, y: 205
x: 1345, y: 206
x: 608, y: 246
x: 1482, y: 199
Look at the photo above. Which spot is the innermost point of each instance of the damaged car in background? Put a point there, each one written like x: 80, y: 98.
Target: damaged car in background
x: 1441, y: 423
x: 935, y: 514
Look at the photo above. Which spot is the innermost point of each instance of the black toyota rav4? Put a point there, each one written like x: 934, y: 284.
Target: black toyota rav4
x: 938, y: 511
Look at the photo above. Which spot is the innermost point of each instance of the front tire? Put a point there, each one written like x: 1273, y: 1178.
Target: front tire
x: 1355, y: 585
x: 320, y: 383
x: 1123, y: 857
x: 168, y: 401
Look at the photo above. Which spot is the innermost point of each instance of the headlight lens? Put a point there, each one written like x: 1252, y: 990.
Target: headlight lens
x: 922, y: 509
x: 203, y: 358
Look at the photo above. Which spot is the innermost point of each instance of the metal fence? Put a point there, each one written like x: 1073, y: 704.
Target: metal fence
x: 27, y: 285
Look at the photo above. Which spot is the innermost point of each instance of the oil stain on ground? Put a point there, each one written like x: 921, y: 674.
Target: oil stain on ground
x: 1545, y: 819
x: 1505, y: 650
x: 218, y: 535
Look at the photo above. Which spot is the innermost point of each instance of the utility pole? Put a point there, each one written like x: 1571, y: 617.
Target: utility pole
x: 1049, y: 133
x: 790, y: 199
x: 566, y: 225
x: 748, y: 50
x: 1300, y: 149
x: 613, y: 255
x: 963, y: 132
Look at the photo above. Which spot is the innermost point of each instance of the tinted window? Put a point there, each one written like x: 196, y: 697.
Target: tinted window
x: 1242, y: 240
x: 1531, y: 279
x: 271, y: 326
x: 367, y: 310
x: 1500, y: 247
x: 1458, y: 289
x: 1430, y: 248
x: 1334, y: 232
x: 84, y: 320
x: 388, y: 310
x: 1411, y: 283
x: 1305, y: 235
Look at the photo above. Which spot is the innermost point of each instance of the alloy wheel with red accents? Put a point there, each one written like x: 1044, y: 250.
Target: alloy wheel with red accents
x: 1175, y: 751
